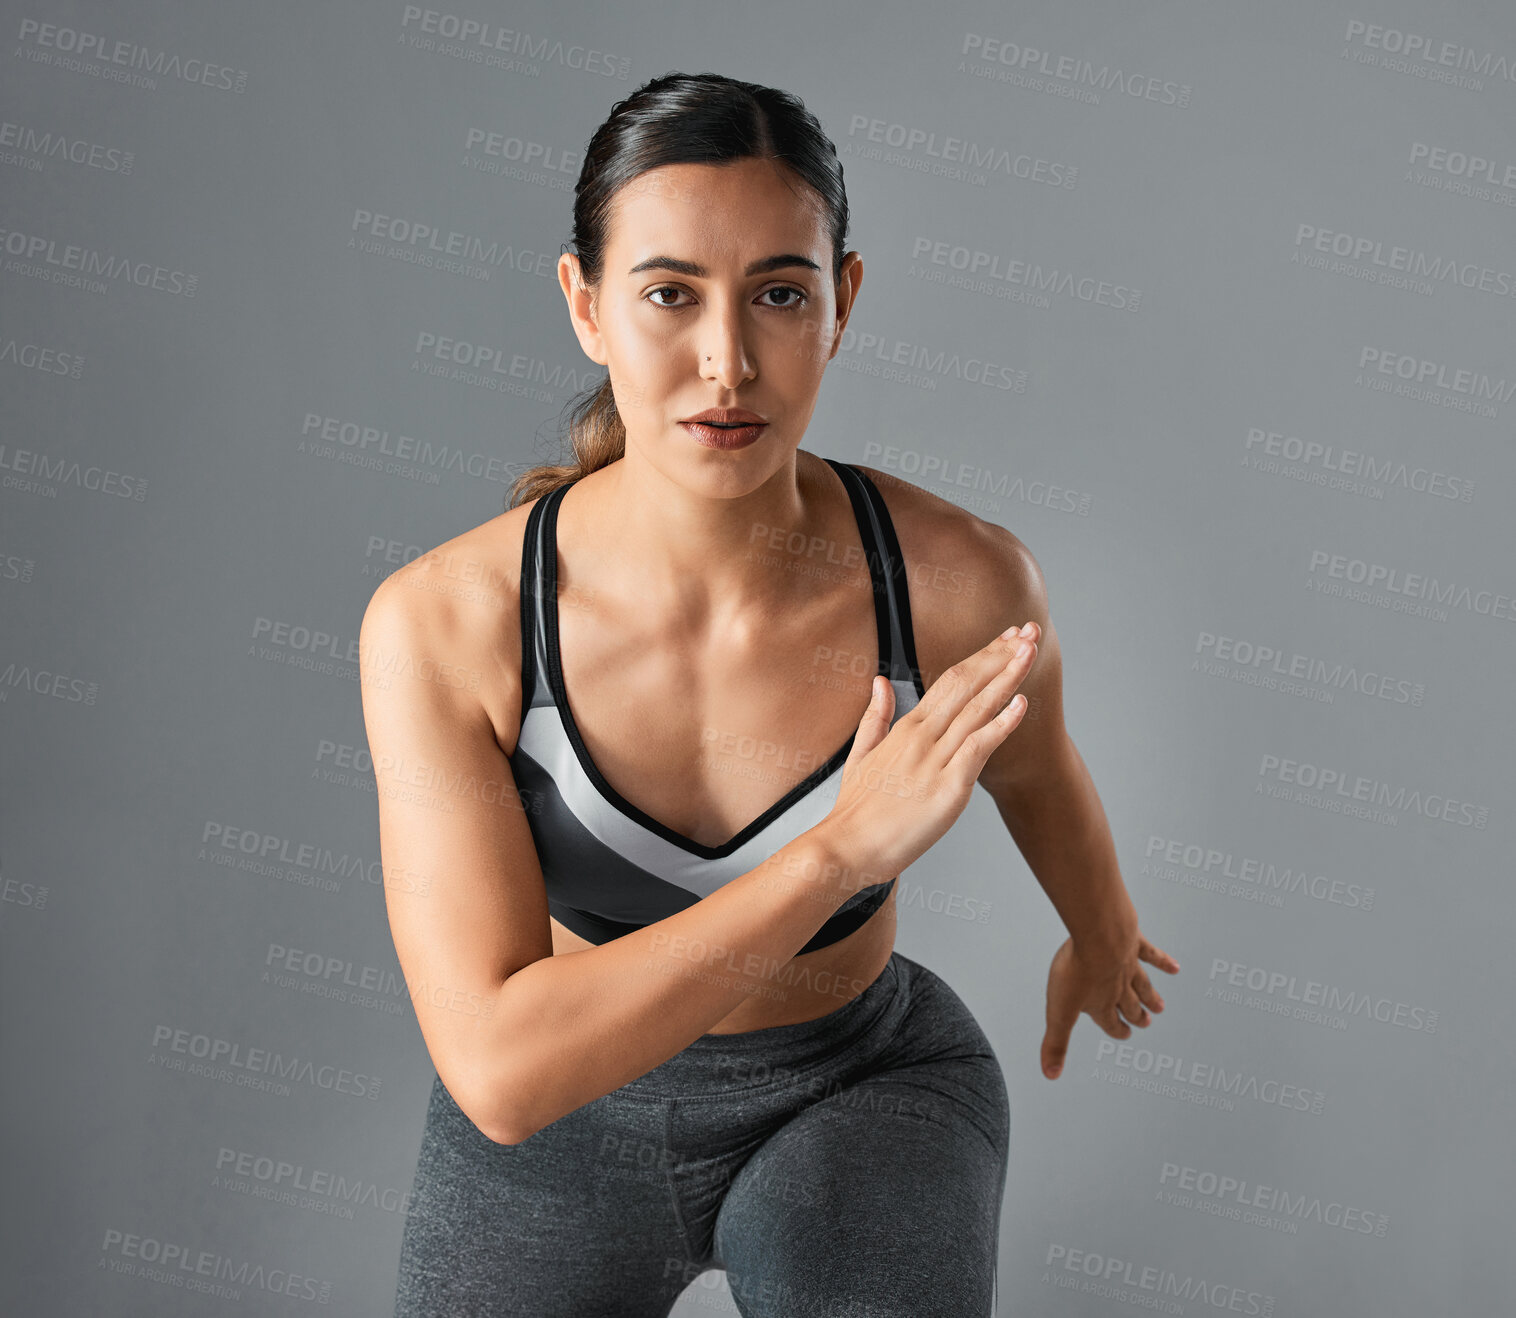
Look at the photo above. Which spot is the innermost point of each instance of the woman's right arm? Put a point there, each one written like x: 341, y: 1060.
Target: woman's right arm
x: 521, y: 1037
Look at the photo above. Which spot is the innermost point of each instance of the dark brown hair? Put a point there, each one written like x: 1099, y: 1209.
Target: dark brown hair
x: 680, y: 118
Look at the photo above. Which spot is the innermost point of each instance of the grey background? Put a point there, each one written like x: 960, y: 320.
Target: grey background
x: 167, y: 519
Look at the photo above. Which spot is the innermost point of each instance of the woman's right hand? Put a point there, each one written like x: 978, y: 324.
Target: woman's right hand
x: 904, y: 786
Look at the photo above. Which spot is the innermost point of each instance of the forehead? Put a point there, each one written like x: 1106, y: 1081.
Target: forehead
x: 733, y: 211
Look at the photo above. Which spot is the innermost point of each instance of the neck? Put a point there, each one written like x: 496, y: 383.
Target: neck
x: 697, y: 559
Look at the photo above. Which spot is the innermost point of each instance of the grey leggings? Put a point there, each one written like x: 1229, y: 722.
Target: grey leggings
x: 851, y: 1166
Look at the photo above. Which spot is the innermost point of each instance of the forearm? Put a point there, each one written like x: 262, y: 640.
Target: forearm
x: 576, y: 1026
x: 1060, y: 827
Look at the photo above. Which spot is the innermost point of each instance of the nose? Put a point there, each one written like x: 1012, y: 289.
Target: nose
x: 724, y: 355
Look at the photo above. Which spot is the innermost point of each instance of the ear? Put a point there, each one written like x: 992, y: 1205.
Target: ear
x: 848, y: 285
x: 581, y: 306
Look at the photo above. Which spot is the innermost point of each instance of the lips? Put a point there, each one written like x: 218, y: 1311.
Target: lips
x: 724, y: 416
x: 725, y: 428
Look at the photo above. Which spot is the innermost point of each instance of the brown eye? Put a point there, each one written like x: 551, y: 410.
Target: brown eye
x: 799, y: 298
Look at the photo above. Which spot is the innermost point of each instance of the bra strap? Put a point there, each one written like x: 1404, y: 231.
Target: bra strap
x: 534, y: 685
x: 852, y: 481
x: 897, y: 642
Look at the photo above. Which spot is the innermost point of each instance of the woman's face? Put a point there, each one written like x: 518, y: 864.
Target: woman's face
x: 716, y: 292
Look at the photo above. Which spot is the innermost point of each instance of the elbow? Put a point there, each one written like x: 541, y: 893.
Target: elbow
x: 506, y: 1126
x: 487, y: 1101
x: 499, y: 1127
x: 511, y: 1130
x: 500, y: 1118
x: 498, y: 1134
x: 505, y: 1085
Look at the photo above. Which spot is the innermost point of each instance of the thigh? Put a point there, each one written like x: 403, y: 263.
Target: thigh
x: 884, y: 1197
x: 574, y: 1222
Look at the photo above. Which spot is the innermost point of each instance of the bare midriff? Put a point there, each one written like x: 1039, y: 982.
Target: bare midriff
x: 806, y: 986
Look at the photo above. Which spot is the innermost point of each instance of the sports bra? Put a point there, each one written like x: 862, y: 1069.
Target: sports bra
x: 611, y: 868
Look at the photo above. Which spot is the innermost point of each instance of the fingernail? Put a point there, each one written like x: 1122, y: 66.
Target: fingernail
x: 1010, y: 632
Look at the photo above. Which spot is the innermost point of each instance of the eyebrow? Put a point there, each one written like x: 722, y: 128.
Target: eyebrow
x: 697, y: 271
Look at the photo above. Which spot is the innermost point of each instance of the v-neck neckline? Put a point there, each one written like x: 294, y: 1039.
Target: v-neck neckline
x: 549, y: 604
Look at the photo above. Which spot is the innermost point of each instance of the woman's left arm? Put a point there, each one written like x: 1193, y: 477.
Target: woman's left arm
x: 1060, y: 828
x: 1046, y: 797
x: 970, y: 579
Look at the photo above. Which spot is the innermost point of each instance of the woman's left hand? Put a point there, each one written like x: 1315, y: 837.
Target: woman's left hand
x: 1108, y: 985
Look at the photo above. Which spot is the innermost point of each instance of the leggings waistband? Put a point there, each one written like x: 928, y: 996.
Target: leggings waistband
x: 709, y: 1060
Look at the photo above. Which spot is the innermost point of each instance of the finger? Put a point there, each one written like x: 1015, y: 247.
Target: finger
x: 980, y: 725
x: 1055, y: 1040
x: 1156, y: 957
x: 1151, y: 998
x: 1110, y: 1021
x: 964, y: 680
x: 1055, y: 1047
x: 874, y: 724
x: 1132, y: 1008
x: 980, y: 743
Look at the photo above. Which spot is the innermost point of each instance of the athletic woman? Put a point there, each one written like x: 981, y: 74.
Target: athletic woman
x: 652, y: 749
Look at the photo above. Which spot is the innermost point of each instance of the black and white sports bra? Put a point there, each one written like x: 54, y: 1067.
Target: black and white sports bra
x: 611, y: 868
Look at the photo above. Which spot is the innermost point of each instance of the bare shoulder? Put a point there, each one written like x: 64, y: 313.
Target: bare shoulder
x: 968, y: 579
x: 451, y: 617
